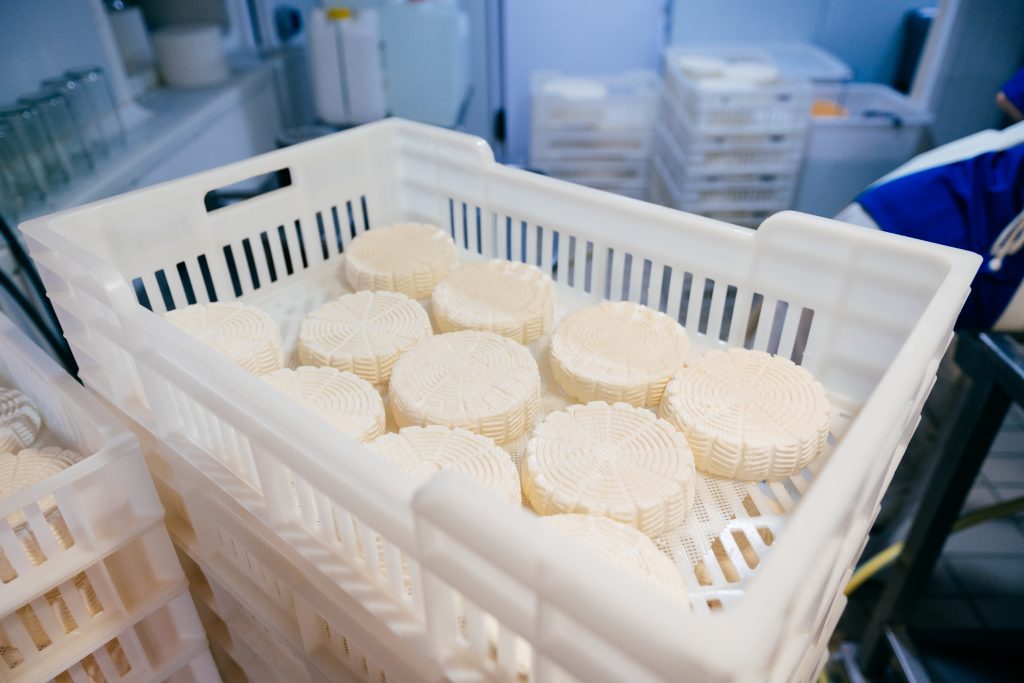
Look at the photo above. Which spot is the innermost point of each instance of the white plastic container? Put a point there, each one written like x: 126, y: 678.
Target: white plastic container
x: 724, y: 105
x: 345, y: 61
x: 110, y: 571
x: 623, y: 102
x: 847, y: 154
x: 795, y: 59
x: 869, y: 313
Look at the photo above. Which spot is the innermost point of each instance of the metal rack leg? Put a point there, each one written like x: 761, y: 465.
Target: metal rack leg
x: 946, y: 489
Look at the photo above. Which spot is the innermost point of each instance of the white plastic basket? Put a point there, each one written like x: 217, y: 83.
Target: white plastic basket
x: 719, y: 106
x: 703, y: 192
x: 626, y: 103
x: 575, y: 145
x: 167, y: 644
x: 99, y: 560
x: 869, y: 313
x: 745, y: 153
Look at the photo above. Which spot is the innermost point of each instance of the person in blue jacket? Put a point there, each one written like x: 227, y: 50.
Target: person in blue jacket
x: 967, y: 194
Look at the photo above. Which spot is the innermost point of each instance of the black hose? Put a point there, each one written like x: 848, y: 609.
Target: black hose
x: 53, y: 333
x: 57, y: 343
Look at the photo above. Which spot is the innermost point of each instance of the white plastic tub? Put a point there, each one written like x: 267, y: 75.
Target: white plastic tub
x: 846, y: 155
x: 869, y: 313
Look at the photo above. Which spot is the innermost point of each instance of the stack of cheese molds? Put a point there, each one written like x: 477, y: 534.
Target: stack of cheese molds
x: 594, y: 130
x: 724, y: 147
x: 101, y: 596
x: 350, y: 566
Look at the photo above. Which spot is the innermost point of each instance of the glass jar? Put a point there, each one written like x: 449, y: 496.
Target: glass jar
x: 60, y: 125
x: 94, y: 82
x: 85, y: 116
x: 22, y: 186
x: 27, y: 127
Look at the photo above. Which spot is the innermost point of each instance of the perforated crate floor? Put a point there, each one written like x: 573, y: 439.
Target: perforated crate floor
x: 732, y: 524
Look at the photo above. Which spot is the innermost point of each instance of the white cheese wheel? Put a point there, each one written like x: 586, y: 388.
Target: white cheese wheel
x: 410, y: 258
x: 624, y: 546
x: 350, y: 404
x: 617, y: 351
x: 611, y: 460
x: 748, y: 415
x: 513, y: 299
x: 19, y: 421
x: 475, y: 380
x: 245, y: 334
x: 363, y: 333
x: 423, y: 451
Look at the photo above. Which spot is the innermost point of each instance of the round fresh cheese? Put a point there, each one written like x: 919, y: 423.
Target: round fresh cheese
x: 423, y: 451
x: 623, y: 546
x: 475, y: 380
x: 350, y: 404
x: 617, y: 351
x: 245, y: 334
x: 614, y: 461
x: 363, y: 333
x: 748, y: 415
x: 410, y: 258
x: 19, y: 421
x: 513, y: 299
x: 29, y: 467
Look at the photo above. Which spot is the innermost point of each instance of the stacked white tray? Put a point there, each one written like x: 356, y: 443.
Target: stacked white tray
x: 326, y: 545
x: 728, y: 149
x: 594, y: 130
x: 103, y: 598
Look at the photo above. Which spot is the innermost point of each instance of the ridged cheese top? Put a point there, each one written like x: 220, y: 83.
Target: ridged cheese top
x: 410, y: 258
x: 749, y: 415
x: 19, y: 421
x: 624, y: 546
x: 29, y: 467
x: 350, y: 404
x: 423, y: 451
x: 475, y: 380
x: 364, y: 333
x: 245, y: 334
x: 617, y: 351
x: 611, y: 460
x: 513, y: 299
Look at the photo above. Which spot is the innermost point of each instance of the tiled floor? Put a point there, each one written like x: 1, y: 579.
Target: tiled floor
x: 979, y: 582
x: 978, y: 585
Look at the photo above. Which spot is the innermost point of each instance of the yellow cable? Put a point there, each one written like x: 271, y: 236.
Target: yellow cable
x: 887, y: 556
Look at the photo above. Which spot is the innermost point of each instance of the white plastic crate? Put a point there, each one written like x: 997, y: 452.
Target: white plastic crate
x: 721, y: 106
x: 574, y: 145
x: 741, y: 152
x: 794, y: 59
x: 692, y: 191
x: 99, y: 559
x: 603, y: 102
x: 869, y: 313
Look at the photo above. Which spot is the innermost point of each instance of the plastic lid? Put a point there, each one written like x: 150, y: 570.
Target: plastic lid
x: 339, y: 13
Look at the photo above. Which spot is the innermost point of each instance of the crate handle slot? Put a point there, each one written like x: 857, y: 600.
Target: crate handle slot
x: 246, y: 189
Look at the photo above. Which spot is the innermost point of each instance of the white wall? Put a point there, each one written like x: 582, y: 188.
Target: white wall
x: 43, y: 38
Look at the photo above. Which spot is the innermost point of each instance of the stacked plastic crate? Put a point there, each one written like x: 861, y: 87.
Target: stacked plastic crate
x: 731, y: 132
x: 594, y: 130
x: 92, y: 590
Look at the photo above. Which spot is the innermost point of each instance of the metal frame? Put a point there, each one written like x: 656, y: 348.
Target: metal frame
x: 994, y: 362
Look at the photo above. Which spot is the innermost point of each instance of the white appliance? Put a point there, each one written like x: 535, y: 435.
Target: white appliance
x: 345, y: 59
